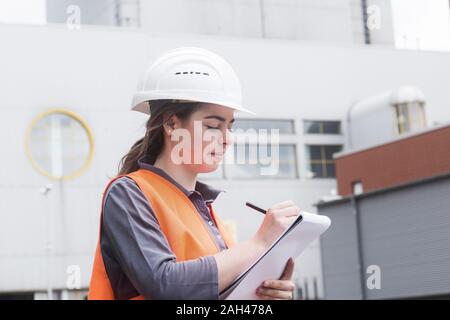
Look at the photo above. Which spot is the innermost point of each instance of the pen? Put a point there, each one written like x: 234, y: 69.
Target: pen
x: 248, y: 204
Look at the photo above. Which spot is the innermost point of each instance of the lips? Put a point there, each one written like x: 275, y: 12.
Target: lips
x: 217, y: 155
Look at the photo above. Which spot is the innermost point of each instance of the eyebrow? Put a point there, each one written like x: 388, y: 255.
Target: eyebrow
x: 219, y: 118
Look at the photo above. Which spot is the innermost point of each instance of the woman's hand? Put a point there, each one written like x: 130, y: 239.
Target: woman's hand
x: 231, y: 262
x: 281, y: 289
x: 277, y: 219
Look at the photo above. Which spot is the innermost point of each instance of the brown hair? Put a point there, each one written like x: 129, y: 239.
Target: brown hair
x: 151, y: 145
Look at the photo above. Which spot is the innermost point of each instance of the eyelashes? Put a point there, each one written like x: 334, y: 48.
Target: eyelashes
x: 217, y: 128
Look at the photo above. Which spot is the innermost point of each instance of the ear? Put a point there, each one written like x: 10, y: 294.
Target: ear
x: 170, y: 124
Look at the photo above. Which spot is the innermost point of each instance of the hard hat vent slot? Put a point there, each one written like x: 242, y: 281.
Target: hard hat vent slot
x: 192, y: 72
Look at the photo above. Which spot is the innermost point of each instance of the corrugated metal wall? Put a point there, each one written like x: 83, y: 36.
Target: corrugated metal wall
x: 340, y: 261
x: 406, y: 232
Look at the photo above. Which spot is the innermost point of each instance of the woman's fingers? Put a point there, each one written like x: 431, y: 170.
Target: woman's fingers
x: 288, y: 270
x: 283, y: 285
x: 274, y: 293
x: 264, y: 297
x: 288, y: 211
x: 279, y: 289
x: 277, y: 219
x: 286, y: 222
x: 284, y: 204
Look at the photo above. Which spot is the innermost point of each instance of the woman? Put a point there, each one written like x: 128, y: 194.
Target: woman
x: 159, y: 235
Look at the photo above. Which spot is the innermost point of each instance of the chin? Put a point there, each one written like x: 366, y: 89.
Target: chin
x: 210, y: 167
x: 206, y: 168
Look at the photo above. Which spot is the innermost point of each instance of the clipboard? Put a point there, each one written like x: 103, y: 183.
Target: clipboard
x: 270, y: 265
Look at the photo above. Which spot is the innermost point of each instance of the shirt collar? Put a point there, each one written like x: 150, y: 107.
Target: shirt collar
x: 208, y: 192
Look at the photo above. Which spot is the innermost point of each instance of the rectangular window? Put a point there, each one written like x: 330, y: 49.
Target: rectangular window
x: 251, y: 160
x: 409, y: 116
x: 321, y: 162
x: 284, y: 126
x: 321, y: 127
x: 257, y: 161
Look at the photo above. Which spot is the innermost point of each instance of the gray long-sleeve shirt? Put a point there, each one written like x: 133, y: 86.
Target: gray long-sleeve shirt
x: 136, y: 253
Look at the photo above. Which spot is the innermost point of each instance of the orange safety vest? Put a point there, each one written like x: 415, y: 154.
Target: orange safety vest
x: 181, y: 223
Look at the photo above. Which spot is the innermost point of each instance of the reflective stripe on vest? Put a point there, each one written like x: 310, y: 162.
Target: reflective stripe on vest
x: 181, y: 223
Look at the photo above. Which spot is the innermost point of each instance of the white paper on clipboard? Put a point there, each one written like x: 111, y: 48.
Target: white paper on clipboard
x: 272, y: 262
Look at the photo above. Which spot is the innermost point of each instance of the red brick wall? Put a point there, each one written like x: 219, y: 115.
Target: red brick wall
x: 414, y: 158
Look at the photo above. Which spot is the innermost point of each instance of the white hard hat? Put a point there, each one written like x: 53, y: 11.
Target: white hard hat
x: 189, y: 74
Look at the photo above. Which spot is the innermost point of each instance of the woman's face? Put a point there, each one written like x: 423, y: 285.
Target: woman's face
x: 204, y: 138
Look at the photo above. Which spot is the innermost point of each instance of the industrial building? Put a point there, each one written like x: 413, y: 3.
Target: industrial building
x: 311, y: 69
x: 393, y: 220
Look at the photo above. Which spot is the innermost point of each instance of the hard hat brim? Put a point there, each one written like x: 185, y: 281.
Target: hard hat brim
x: 141, y: 102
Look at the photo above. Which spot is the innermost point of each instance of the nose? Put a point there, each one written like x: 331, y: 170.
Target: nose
x: 228, y: 138
x: 225, y: 138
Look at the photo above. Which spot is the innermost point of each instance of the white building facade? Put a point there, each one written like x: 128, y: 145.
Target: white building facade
x: 302, y: 87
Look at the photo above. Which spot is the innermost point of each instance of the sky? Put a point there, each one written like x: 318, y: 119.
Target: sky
x: 418, y: 24
x: 23, y: 11
x: 421, y: 24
